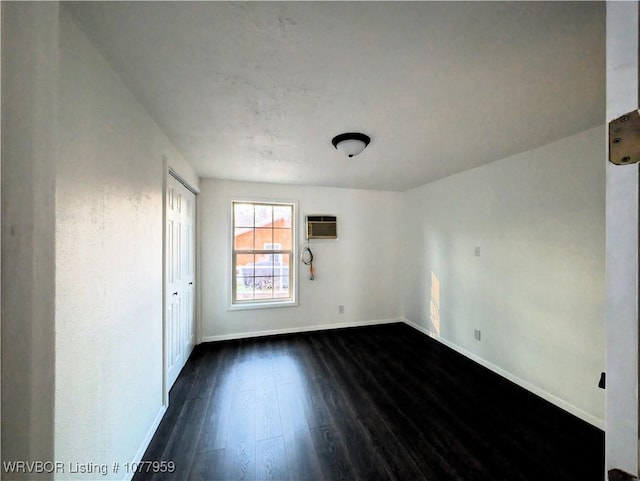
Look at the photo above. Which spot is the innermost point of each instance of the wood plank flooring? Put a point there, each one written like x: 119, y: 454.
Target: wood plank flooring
x: 375, y: 403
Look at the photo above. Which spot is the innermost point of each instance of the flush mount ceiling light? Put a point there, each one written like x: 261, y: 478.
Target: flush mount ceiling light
x: 351, y: 143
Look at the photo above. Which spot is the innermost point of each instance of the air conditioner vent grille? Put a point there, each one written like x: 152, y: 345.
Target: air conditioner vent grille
x: 322, y: 227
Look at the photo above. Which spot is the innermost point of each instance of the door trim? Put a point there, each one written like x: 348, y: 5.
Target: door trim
x: 180, y: 179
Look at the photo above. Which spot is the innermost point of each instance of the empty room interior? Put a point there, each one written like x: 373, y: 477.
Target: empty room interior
x: 318, y: 240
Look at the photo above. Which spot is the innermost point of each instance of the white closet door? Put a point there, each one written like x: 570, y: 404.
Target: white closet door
x: 189, y: 253
x: 180, y: 278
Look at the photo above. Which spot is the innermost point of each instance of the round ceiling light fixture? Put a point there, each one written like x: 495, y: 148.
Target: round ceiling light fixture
x: 351, y: 143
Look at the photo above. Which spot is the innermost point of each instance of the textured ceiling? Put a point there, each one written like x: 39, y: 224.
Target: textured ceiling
x: 256, y: 91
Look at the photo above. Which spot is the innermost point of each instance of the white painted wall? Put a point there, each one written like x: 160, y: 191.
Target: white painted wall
x: 82, y: 196
x: 536, y: 291
x: 622, y: 248
x: 359, y: 269
x: 109, y: 278
x: 29, y: 129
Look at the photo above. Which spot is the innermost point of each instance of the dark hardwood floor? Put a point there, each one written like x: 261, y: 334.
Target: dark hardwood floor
x: 375, y: 403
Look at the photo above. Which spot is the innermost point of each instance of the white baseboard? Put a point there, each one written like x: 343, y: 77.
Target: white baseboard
x: 295, y: 330
x: 585, y: 416
x: 145, y: 442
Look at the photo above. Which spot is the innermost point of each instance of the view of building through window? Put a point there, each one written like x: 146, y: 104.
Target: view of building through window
x: 262, y: 252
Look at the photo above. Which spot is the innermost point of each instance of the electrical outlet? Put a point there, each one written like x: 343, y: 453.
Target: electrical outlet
x: 476, y: 334
x: 476, y: 251
x: 341, y: 309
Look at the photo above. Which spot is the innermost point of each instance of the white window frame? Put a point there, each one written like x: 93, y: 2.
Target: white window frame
x: 235, y: 304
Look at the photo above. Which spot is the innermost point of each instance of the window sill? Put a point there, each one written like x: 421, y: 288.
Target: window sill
x: 262, y: 305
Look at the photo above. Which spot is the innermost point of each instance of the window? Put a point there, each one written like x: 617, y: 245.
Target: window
x: 262, y: 254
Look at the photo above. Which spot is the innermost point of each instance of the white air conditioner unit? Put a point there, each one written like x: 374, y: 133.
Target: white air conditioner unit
x: 322, y: 227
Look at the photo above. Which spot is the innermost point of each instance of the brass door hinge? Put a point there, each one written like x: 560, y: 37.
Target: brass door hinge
x: 624, y: 139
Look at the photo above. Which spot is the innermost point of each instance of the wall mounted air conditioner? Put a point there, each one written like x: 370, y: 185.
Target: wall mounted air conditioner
x: 322, y: 227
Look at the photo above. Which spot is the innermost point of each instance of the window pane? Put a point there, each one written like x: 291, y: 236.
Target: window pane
x: 281, y: 287
x: 245, y: 260
x: 264, y: 238
x: 283, y: 238
x: 263, y: 294
x: 264, y: 215
x: 243, y: 239
x: 263, y: 273
x: 243, y: 215
x: 281, y: 270
x: 282, y: 216
x: 244, y: 288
